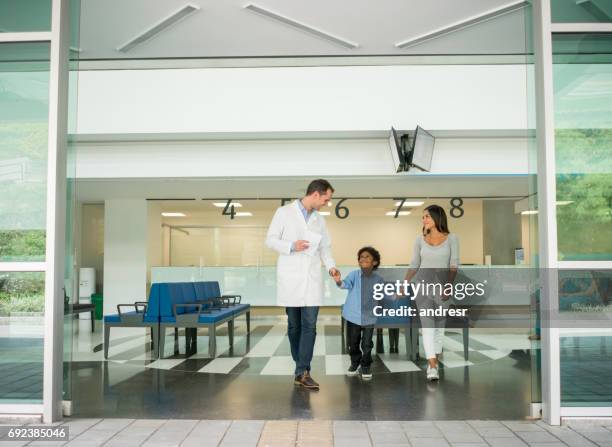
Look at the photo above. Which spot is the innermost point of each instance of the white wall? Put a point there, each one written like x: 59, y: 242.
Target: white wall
x: 270, y: 158
x: 242, y: 243
x: 125, y: 252
x: 91, y: 240
x: 302, y: 99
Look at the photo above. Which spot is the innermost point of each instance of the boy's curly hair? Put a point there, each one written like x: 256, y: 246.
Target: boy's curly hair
x: 375, y: 254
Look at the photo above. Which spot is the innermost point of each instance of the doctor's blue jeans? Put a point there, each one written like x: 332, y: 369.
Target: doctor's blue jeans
x: 302, y: 331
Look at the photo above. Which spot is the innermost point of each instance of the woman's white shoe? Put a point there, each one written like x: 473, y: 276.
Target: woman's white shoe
x: 432, y: 374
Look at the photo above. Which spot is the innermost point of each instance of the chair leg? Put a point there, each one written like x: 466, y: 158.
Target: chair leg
x: 93, y: 321
x: 230, y: 332
x: 380, y: 346
x: 155, y: 344
x: 414, y: 340
x: 161, y: 337
x: 408, y: 341
x: 466, y: 342
x: 176, y: 341
x: 212, y: 342
x: 248, y: 321
x: 106, y: 339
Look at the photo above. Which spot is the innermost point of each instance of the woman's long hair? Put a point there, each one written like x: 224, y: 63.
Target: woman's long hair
x: 438, y: 215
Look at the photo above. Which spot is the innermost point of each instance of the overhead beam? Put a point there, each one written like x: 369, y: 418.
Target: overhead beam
x: 301, y: 26
x: 159, y: 27
x: 465, y: 23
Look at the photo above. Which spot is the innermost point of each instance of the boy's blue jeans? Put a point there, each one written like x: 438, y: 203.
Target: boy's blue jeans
x: 302, y: 331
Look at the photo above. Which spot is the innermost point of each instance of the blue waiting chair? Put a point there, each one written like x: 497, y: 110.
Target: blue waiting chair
x: 195, y: 305
x: 144, y: 314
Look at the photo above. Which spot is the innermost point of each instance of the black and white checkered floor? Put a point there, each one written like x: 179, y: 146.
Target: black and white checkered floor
x: 266, y: 351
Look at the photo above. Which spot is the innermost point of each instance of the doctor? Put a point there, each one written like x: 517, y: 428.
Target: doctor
x: 299, y: 234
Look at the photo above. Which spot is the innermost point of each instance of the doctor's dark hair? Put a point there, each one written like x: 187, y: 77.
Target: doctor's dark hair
x: 373, y: 252
x: 438, y: 215
x: 319, y: 185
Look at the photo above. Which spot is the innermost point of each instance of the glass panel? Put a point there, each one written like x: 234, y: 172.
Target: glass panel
x: 530, y: 219
x: 25, y: 15
x: 583, y: 122
x: 585, y: 299
x: 21, y: 336
x: 24, y: 106
x: 572, y: 11
x: 72, y: 323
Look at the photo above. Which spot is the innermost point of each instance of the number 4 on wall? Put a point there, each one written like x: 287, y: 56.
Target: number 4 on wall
x: 229, y: 209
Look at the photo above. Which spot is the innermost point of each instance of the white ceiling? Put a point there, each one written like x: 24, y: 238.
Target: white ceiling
x: 409, y: 186
x: 224, y: 28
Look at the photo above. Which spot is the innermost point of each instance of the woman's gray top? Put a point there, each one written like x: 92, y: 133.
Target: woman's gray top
x: 440, y: 256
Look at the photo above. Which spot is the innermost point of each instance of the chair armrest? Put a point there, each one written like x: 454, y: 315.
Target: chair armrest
x: 221, y: 301
x: 235, y: 297
x: 142, y: 304
x: 196, y: 305
x: 208, y: 305
x: 134, y: 305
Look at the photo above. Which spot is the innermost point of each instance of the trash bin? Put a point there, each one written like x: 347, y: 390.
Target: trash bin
x: 97, y: 300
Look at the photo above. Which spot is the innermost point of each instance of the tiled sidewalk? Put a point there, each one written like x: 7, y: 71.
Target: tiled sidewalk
x: 208, y: 433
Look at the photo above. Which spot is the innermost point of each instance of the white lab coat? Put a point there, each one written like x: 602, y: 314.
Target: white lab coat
x: 299, y: 279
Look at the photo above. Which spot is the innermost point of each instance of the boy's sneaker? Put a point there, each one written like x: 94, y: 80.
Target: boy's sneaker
x: 353, y: 370
x: 366, y: 373
x: 432, y: 374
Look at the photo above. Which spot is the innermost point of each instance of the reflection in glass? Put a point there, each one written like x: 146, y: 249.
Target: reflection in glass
x: 24, y: 105
x: 572, y: 11
x: 583, y: 136
x: 25, y: 15
x: 21, y: 336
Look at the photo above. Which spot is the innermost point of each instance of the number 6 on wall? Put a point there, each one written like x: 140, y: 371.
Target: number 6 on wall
x: 342, y: 212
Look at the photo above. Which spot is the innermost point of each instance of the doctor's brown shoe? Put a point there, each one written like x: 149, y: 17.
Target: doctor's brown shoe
x: 306, y: 381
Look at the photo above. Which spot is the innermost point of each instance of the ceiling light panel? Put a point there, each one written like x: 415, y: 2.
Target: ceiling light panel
x: 224, y: 204
x: 410, y: 203
x: 301, y: 26
x: 159, y: 27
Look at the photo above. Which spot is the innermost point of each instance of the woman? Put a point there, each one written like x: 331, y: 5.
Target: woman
x: 435, y: 260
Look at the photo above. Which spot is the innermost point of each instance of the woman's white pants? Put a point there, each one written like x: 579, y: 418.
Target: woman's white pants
x: 432, y: 340
x: 432, y: 327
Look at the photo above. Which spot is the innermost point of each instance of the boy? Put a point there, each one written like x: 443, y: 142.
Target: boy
x: 358, y: 310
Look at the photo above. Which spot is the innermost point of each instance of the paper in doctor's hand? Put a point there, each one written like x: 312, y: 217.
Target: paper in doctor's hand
x: 313, y: 240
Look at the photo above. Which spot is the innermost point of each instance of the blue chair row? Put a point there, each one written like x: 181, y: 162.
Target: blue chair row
x: 200, y: 305
x: 186, y: 305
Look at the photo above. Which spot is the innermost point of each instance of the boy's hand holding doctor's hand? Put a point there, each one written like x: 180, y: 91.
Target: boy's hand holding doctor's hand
x: 335, y: 273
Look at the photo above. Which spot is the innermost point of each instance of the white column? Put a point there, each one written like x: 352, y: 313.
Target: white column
x: 154, y: 237
x: 547, y: 216
x: 56, y: 212
x: 125, y: 252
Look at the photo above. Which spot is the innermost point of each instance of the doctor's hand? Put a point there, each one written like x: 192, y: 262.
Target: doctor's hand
x: 301, y: 245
